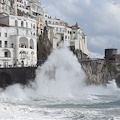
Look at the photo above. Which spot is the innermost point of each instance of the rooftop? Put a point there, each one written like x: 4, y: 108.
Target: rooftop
x: 3, y: 25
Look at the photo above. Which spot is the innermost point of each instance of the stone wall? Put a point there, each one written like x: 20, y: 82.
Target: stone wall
x: 22, y: 75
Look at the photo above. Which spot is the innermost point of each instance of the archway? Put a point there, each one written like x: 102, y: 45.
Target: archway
x: 6, y: 53
x: 23, y: 42
x: 5, y: 79
x: 31, y: 44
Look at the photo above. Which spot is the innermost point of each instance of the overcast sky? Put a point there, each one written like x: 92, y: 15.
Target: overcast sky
x: 99, y: 19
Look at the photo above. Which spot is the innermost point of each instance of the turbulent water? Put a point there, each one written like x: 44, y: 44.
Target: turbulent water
x: 59, y: 93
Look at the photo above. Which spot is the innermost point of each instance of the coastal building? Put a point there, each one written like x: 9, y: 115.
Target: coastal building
x: 18, y: 41
x: 22, y: 21
x: 27, y: 8
x: 7, y: 7
x: 72, y: 36
x: 32, y: 9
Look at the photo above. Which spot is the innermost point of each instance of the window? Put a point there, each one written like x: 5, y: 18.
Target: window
x: 74, y: 32
x: 33, y: 25
x: 5, y: 43
x: 68, y: 32
x: 5, y: 54
x: 65, y: 37
x: 17, y: 31
x: 45, y: 15
x: 26, y: 32
x: 46, y: 22
x: 16, y: 23
x: 26, y: 25
x: 5, y: 34
x: 60, y: 29
x: 62, y: 37
x: 33, y: 7
x: 22, y: 24
x: 0, y: 34
x: 0, y: 43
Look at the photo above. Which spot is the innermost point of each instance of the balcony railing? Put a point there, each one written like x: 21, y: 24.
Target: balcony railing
x: 24, y: 35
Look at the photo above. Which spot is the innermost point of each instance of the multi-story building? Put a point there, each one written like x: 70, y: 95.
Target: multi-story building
x: 18, y: 42
x: 21, y: 21
x: 7, y: 7
x: 71, y: 36
x: 32, y: 9
x: 27, y: 8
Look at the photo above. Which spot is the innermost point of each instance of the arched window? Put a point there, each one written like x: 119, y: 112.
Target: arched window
x: 16, y: 23
x: 22, y: 24
x: 17, y: 31
x: 26, y: 25
x: 31, y: 44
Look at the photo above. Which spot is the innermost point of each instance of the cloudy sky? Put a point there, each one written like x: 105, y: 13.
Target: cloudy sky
x: 99, y: 19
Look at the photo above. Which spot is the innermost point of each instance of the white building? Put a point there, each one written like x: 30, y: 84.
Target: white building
x: 7, y: 7
x: 18, y: 41
x: 71, y: 36
x: 31, y: 9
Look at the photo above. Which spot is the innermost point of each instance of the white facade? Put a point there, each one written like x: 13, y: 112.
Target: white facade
x: 31, y: 9
x: 18, y: 41
x: 71, y: 36
x: 7, y: 7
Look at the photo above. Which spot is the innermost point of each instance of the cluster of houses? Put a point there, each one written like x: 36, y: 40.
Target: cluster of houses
x: 22, y: 22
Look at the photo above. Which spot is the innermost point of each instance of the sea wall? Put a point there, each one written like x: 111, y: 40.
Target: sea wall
x: 22, y: 75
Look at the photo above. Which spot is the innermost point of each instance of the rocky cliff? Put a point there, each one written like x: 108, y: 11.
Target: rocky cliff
x: 100, y: 72
x: 43, y: 46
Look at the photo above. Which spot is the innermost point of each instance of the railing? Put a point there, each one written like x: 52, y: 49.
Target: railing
x: 27, y: 35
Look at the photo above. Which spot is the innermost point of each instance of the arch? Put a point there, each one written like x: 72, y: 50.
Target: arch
x: 5, y: 79
x: 31, y: 44
x: 23, y: 54
x: 23, y: 42
x: 6, y: 53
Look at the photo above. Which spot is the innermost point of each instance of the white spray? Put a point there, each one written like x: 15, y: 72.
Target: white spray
x: 61, y: 76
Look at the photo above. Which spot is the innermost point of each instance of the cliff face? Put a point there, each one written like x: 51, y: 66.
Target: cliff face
x: 100, y: 72
x: 96, y: 71
x: 43, y: 46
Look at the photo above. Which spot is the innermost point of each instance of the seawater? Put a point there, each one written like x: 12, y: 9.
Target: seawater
x: 60, y: 93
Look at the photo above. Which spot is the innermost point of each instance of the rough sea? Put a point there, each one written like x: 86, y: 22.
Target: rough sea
x: 60, y: 93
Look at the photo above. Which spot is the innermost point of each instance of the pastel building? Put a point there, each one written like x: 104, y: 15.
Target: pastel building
x: 72, y: 36
x: 18, y: 41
